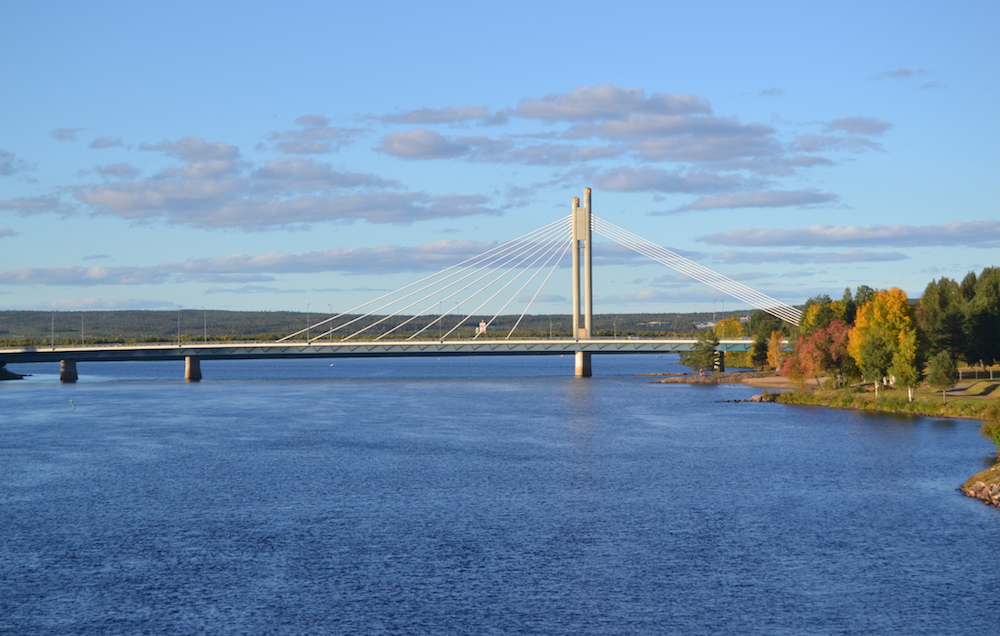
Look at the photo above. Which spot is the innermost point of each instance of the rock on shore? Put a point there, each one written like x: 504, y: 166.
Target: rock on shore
x: 987, y: 493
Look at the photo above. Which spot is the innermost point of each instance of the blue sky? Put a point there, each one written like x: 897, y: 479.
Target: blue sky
x: 257, y: 156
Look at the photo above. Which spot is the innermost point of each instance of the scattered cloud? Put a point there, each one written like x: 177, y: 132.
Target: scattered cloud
x: 118, y: 170
x: 771, y: 92
x: 762, y: 199
x: 252, y: 289
x: 849, y: 256
x: 438, y: 115
x: 33, y: 205
x: 195, y: 149
x: 289, y: 193
x: 900, y: 73
x: 65, y: 134
x: 243, y: 268
x: 859, y: 125
x: 819, y: 143
x: 605, y: 101
x: 931, y: 85
x: 420, y: 143
x: 10, y: 164
x: 648, y: 179
x: 544, y: 298
x: 6, y: 231
x: 315, y: 136
x: 967, y: 233
x: 106, y: 142
x: 646, y: 296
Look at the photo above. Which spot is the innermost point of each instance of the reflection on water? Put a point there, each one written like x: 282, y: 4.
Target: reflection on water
x: 469, y: 495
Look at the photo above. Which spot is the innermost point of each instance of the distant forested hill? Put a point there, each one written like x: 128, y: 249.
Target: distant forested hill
x: 195, y: 324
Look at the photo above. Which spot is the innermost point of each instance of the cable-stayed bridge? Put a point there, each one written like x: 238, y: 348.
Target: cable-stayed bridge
x: 425, y: 318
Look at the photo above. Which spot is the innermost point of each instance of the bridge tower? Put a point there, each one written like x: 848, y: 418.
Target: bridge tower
x: 582, y: 276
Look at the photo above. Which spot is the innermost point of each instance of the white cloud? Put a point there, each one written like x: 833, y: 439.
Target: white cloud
x: 6, y: 231
x: 315, y: 136
x: 421, y: 143
x: 859, y: 125
x: 849, y: 256
x: 852, y: 143
x: 762, y: 199
x: 771, y: 92
x: 606, y: 100
x: 901, y: 73
x: 106, y: 142
x: 970, y: 233
x: 119, y: 170
x: 244, y: 268
x: 438, y: 115
x: 287, y: 193
x: 10, y: 164
x: 194, y: 149
x: 65, y: 134
x: 648, y: 179
x: 33, y: 205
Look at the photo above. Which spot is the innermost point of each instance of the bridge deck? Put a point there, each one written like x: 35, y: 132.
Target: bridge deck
x: 354, y: 349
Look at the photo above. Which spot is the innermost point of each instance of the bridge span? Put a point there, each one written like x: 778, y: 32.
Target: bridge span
x: 193, y: 354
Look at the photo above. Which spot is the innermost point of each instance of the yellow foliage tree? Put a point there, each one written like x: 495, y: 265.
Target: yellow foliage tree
x: 887, y: 319
x: 729, y: 328
x: 775, y: 350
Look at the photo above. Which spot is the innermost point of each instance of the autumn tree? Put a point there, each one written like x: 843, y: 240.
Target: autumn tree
x: 776, y: 354
x: 905, y: 367
x: 876, y: 336
x: 823, y: 352
x: 729, y: 328
x: 817, y: 314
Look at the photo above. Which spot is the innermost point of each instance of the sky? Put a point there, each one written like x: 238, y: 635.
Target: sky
x: 313, y: 155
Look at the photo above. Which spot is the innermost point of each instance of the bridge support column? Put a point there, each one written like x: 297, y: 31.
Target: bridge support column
x: 67, y: 371
x: 720, y: 361
x: 192, y: 369
x: 583, y: 307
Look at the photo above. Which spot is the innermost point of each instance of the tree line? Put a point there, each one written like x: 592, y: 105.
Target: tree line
x: 883, y: 338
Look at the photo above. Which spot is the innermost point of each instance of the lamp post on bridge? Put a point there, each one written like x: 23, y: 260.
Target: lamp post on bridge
x: 205, y: 325
x: 307, y: 322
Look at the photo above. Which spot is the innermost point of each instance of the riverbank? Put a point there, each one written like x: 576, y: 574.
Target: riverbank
x: 726, y: 377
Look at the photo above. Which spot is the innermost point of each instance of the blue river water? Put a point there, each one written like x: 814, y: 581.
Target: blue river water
x: 477, y: 496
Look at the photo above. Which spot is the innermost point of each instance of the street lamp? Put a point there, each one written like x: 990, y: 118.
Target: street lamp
x: 205, y: 316
x: 307, y: 322
x: 178, y: 325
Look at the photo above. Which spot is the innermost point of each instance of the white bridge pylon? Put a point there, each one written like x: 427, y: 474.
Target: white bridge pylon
x: 427, y: 309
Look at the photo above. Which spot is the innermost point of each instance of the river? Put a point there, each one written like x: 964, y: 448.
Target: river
x: 477, y: 496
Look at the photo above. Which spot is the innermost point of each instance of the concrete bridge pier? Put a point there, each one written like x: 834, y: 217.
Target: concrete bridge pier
x: 192, y: 369
x: 583, y: 364
x: 67, y: 371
